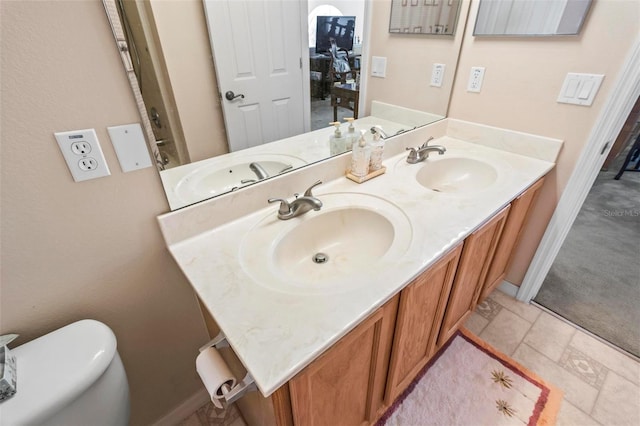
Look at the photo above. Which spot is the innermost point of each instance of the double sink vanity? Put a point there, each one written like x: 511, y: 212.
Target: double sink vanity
x: 335, y: 311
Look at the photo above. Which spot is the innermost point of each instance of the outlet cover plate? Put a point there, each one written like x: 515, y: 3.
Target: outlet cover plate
x: 379, y: 66
x: 130, y: 146
x: 475, y: 79
x: 82, y: 152
x: 437, y: 75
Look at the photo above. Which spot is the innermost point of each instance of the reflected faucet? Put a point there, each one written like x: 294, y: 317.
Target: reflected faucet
x: 421, y: 153
x: 260, y: 172
x: 299, y: 206
x: 378, y: 129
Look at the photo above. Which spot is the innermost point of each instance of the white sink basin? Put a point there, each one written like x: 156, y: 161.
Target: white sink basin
x: 215, y: 179
x: 330, y: 250
x: 456, y: 175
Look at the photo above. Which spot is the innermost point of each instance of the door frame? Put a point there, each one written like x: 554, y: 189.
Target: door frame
x: 607, y: 127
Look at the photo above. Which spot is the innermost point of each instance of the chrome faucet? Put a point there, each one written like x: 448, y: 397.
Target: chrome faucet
x: 421, y: 153
x: 299, y: 206
x: 260, y: 172
x: 378, y: 129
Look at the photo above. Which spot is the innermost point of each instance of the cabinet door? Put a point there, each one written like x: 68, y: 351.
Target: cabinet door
x: 477, y: 253
x: 422, y: 305
x: 518, y: 214
x: 345, y: 385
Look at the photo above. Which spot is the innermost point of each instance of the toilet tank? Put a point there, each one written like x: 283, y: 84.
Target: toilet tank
x: 71, y: 376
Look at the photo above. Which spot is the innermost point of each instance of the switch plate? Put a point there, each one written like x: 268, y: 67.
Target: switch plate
x: 475, y: 79
x: 437, y: 75
x: 82, y: 152
x: 580, y: 89
x: 130, y: 146
x: 379, y: 66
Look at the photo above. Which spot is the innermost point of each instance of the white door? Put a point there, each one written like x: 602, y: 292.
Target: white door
x: 257, y: 46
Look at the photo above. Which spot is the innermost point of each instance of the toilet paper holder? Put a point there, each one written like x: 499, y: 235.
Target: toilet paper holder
x: 248, y: 384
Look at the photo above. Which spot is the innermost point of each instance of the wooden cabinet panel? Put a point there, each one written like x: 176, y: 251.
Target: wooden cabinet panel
x: 420, y: 313
x: 510, y: 234
x: 477, y: 253
x: 346, y: 384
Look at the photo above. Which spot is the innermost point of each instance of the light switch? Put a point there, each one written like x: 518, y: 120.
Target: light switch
x: 379, y: 66
x: 580, y: 89
x: 130, y: 146
x: 586, y: 89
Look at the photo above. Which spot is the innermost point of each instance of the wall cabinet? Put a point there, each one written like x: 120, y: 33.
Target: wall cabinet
x: 477, y: 254
x: 420, y: 313
x: 518, y: 214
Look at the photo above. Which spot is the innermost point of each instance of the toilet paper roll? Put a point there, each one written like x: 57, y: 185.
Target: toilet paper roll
x: 215, y: 375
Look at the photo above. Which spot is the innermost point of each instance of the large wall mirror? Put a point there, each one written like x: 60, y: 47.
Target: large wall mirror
x: 530, y: 17
x: 211, y: 124
x: 424, y: 16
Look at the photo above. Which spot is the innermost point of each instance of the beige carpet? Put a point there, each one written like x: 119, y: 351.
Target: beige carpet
x: 470, y: 383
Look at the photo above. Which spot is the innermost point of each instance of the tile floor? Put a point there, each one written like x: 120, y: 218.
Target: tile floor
x: 601, y: 385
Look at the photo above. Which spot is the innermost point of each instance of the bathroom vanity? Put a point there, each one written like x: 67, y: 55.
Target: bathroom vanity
x: 423, y: 245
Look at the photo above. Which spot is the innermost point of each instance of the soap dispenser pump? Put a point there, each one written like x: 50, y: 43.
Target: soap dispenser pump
x: 377, y: 149
x: 337, y: 141
x: 352, y: 136
x: 360, y: 156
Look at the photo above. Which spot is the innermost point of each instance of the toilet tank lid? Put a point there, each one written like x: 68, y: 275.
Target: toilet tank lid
x: 56, y: 368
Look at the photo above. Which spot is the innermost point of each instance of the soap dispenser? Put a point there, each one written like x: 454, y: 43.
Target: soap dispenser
x: 377, y: 149
x: 360, y: 156
x: 337, y: 141
x: 352, y: 136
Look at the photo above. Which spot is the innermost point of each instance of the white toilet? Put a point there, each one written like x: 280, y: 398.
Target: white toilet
x: 72, y: 376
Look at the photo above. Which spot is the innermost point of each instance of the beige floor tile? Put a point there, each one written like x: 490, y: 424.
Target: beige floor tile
x: 607, y: 356
x: 550, y: 336
x: 569, y: 415
x: 618, y: 403
x: 476, y: 323
x: 524, y: 310
x: 577, y: 392
x: 506, y: 331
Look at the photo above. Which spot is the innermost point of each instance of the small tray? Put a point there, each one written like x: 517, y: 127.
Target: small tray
x: 360, y: 179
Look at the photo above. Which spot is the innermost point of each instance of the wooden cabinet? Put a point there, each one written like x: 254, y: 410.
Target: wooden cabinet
x: 420, y: 313
x: 510, y: 235
x: 477, y: 254
x: 346, y: 384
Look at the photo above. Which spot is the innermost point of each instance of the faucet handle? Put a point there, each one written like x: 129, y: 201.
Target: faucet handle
x: 308, y: 193
x: 426, y: 144
x: 285, y: 207
x: 413, y: 154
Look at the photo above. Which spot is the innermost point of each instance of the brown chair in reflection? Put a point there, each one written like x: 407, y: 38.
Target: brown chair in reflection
x: 344, y: 95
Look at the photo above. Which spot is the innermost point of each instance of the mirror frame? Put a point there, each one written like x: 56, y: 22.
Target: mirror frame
x: 111, y: 9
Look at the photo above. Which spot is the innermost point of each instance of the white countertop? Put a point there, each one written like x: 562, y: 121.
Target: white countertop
x: 276, y: 334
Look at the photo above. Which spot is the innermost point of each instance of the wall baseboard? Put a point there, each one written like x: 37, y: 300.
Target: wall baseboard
x: 185, y: 409
x: 508, y: 288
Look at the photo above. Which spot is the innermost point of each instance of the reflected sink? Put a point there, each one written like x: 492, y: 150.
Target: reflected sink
x: 214, y: 179
x: 330, y: 250
x: 456, y: 175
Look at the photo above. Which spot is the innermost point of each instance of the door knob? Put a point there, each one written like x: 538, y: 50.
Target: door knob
x: 231, y: 96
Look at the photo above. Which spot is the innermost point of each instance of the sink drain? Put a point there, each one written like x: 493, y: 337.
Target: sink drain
x: 320, y: 258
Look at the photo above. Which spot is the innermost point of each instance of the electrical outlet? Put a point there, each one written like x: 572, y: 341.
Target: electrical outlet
x: 475, y: 79
x: 82, y: 152
x: 437, y: 75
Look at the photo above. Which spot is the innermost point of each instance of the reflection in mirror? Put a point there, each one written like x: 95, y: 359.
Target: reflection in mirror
x: 424, y: 16
x: 530, y: 17
x: 182, y: 96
